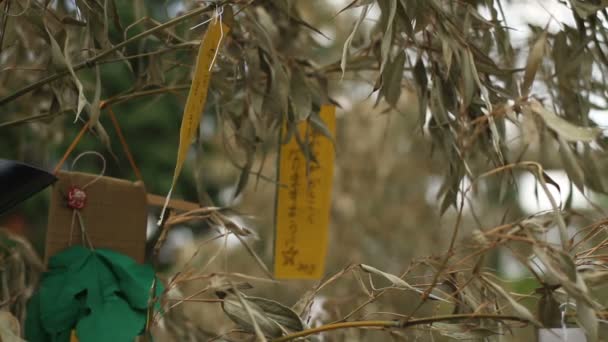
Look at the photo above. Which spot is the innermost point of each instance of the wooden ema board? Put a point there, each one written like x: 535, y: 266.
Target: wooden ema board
x: 303, y: 202
x: 115, y: 215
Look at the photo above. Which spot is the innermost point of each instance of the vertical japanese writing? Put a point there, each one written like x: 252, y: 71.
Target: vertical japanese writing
x: 303, y: 197
x: 313, y: 181
x: 290, y: 253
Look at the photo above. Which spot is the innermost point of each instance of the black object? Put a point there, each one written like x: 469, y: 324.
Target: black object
x: 19, y: 182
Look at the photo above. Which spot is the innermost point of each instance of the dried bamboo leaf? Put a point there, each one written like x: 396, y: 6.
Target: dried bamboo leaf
x: 562, y: 127
x: 437, y: 105
x: 398, y: 282
x: 535, y: 59
x: 279, y: 313
x: 276, y: 101
x: 392, y: 278
x: 63, y: 59
x: 421, y: 88
x: 94, y: 108
x: 447, y: 53
x: 256, y: 257
x: 559, y: 219
x: 355, y: 4
x: 595, y: 278
x: 519, y: 308
x: 299, y: 95
x: 393, y: 75
x: 272, y: 317
x: 587, y: 8
x: 571, y: 164
x: 245, y: 172
x: 585, y: 310
x: 593, y: 177
x: 587, y: 318
x: 406, y: 20
x: 319, y: 126
x: 549, y: 180
x: 468, y: 77
x: 561, y: 271
x: 387, y: 39
x: 248, y: 316
x: 486, y: 98
x: 350, y: 38
x: 529, y: 128
x: 449, y: 199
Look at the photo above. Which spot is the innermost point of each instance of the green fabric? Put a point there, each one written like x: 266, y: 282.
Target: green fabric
x: 102, y: 294
x: 114, y: 321
x: 33, y: 324
x: 129, y: 274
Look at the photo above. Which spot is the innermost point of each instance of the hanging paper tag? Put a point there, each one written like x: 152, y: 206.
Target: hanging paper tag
x: 303, y: 202
x: 198, y: 93
x: 114, y: 212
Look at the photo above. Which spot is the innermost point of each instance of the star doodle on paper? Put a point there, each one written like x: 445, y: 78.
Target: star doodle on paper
x: 289, y: 256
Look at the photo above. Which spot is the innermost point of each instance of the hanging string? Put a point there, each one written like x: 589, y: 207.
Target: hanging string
x: 77, y: 198
x: 219, y: 11
x: 564, y: 310
x: 201, y: 24
x: 83, y: 234
x: 218, y: 16
x: 72, y: 228
x: 103, y: 168
x: 121, y: 137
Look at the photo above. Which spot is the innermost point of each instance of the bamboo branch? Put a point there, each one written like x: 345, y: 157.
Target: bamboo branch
x: 110, y: 101
x: 395, y: 324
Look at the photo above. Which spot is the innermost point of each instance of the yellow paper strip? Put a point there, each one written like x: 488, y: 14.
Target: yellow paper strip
x: 304, y: 201
x: 197, y: 95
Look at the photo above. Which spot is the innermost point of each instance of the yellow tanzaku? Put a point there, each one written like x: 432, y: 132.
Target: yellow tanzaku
x: 304, y: 201
x: 195, y: 104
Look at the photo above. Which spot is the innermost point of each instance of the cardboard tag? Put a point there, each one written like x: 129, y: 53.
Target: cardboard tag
x: 115, y: 215
x: 195, y: 104
x: 303, y: 202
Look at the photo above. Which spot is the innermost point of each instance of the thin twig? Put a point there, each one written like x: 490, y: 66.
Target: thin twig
x: 447, y: 256
x: 198, y: 300
x: 5, y: 18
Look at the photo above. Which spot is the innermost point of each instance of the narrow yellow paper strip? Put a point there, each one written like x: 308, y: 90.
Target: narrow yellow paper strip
x: 197, y: 96
x: 303, y: 202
